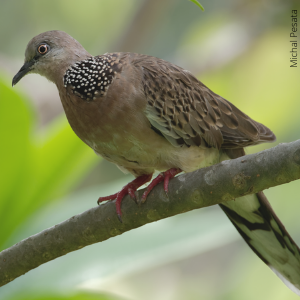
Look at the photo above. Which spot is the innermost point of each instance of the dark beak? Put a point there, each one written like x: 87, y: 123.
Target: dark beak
x: 23, y: 71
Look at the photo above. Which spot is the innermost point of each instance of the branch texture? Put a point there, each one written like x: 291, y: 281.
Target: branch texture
x: 222, y: 182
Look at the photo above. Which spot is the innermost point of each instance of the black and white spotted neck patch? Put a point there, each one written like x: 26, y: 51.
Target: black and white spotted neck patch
x: 92, y: 77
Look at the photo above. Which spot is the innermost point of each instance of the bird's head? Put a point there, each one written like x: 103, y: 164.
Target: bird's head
x: 50, y: 54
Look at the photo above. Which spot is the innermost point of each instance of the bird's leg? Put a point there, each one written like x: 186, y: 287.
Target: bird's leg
x: 129, y: 188
x: 165, y: 177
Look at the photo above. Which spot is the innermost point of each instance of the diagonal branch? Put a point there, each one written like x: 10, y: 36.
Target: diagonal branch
x: 222, y: 182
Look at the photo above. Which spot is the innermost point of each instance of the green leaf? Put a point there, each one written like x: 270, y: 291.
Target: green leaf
x: 198, y: 4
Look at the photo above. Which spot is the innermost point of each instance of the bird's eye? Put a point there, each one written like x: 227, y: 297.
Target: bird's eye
x: 43, y: 49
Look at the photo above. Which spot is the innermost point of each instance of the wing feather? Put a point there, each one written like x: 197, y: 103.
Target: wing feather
x: 188, y: 113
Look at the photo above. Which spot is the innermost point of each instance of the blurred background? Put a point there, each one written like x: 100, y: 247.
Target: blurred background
x: 240, y: 49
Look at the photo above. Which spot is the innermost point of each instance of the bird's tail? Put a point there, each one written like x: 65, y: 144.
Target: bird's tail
x: 255, y: 220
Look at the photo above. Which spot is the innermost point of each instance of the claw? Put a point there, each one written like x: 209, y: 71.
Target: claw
x: 152, y: 184
x: 129, y: 188
x: 111, y: 197
x: 131, y: 193
x: 165, y: 177
x: 132, y: 186
x: 120, y: 218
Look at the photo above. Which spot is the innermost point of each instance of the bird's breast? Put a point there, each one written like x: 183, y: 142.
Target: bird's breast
x: 117, y: 130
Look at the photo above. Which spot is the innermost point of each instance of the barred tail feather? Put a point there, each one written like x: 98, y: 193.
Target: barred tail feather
x: 255, y: 220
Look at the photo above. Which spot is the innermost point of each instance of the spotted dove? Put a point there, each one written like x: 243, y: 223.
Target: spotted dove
x: 145, y: 114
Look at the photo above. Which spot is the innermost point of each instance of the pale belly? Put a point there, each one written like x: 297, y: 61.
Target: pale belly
x: 143, y: 156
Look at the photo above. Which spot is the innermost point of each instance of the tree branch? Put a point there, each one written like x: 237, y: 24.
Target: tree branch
x: 222, y: 182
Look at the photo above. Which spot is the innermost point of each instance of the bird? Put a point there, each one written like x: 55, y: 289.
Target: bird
x: 145, y: 114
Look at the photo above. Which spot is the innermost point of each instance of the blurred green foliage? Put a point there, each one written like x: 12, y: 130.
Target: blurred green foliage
x: 197, y: 255
x: 79, y: 296
x: 34, y: 170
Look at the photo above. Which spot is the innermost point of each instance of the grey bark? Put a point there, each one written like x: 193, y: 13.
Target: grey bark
x: 208, y: 186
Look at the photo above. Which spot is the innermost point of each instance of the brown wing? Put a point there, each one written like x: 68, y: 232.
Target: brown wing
x: 186, y: 112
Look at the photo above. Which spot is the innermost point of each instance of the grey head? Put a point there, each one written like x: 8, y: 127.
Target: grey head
x: 50, y: 54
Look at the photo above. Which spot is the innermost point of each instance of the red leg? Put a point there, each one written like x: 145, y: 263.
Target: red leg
x: 165, y: 177
x: 129, y: 188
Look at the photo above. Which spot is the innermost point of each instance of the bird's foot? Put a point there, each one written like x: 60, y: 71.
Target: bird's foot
x: 129, y: 188
x: 165, y: 177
